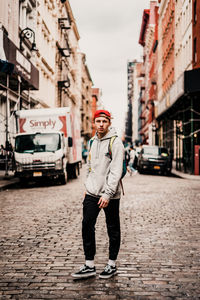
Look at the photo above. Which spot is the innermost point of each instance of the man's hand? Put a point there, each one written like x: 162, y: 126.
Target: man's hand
x: 103, y: 202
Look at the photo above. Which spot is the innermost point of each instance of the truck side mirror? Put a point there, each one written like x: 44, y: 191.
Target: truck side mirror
x: 70, y: 141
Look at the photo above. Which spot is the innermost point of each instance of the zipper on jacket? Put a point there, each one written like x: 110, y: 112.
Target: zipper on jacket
x: 98, y: 148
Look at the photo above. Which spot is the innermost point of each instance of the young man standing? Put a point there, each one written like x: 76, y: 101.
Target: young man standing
x: 104, y: 170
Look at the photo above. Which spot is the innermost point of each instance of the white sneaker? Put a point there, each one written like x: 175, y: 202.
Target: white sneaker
x: 85, y: 272
x: 108, y: 272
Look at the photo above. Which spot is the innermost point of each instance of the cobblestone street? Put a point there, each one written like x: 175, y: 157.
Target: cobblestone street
x: 41, y: 244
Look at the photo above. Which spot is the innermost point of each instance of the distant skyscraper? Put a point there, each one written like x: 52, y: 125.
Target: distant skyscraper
x: 128, y: 125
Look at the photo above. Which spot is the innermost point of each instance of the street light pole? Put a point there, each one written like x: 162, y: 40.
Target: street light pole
x: 192, y: 137
x: 27, y: 33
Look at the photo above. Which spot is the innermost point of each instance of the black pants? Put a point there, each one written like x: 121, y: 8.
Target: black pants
x: 90, y: 214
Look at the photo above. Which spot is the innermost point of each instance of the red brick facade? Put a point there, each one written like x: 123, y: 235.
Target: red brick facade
x: 149, y: 87
x: 168, y: 31
x: 196, y: 34
x: 153, y: 69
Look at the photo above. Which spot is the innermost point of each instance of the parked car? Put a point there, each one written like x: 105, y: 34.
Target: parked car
x: 154, y: 158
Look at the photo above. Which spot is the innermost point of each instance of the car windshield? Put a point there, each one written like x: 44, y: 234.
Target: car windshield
x: 155, y: 151
x: 39, y: 142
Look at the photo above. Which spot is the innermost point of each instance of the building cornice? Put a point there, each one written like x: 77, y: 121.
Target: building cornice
x: 74, y: 27
x: 145, y: 20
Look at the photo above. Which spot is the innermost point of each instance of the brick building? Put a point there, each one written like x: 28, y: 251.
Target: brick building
x: 196, y: 31
x: 178, y: 88
x: 149, y: 40
x: 169, y: 96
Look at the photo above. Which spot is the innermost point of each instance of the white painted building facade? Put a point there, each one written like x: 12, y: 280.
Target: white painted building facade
x: 183, y: 37
x: 50, y: 76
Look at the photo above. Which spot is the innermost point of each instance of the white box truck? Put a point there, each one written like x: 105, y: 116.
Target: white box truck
x: 47, y: 144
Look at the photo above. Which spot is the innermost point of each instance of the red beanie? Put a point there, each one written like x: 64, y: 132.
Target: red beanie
x: 102, y: 113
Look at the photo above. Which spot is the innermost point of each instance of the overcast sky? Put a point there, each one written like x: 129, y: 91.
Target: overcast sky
x: 109, y: 31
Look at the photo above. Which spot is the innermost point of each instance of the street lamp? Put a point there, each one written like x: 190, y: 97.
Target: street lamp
x: 64, y: 83
x: 28, y: 33
x: 65, y: 51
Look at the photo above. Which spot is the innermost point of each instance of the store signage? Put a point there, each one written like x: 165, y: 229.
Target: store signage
x: 175, y: 92
x: 23, y: 61
x: 23, y: 67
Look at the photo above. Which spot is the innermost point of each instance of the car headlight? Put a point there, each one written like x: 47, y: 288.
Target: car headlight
x: 18, y: 167
x: 58, y: 164
x: 164, y: 154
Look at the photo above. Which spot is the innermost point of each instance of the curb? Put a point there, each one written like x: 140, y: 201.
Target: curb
x: 185, y: 175
x: 4, y: 186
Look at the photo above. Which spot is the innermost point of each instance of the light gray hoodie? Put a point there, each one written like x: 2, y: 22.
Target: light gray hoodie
x: 104, y: 173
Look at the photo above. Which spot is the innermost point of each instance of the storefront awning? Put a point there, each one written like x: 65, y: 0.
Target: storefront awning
x: 192, y: 81
x: 11, y: 55
x: 188, y: 84
x: 6, y: 67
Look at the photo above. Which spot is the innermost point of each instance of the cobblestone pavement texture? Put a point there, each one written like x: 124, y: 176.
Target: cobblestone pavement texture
x: 41, y: 244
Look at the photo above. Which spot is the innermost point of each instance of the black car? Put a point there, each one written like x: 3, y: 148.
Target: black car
x: 154, y: 158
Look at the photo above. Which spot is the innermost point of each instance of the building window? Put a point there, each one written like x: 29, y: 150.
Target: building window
x: 195, y: 11
x: 195, y: 51
x: 27, y: 14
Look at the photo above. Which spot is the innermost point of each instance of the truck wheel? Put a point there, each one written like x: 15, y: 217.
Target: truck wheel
x: 23, y: 182
x: 63, y: 178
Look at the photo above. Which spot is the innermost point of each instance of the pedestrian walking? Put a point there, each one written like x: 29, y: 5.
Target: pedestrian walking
x: 104, y: 171
x: 137, y: 152
x: 132, y: 154
x: 84, y: 154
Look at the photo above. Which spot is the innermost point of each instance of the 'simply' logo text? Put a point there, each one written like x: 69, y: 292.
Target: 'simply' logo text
x: 47, y: 123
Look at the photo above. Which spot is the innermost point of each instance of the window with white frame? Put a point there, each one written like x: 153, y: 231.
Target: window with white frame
x: 27, y: 14
x: 195, y: 11
x: 195, y: 50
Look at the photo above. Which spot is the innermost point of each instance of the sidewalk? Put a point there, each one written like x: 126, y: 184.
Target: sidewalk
x: 7, y: 181
x: 185, y: 175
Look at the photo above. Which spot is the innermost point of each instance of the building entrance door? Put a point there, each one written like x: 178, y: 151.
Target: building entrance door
x: 197, y: 160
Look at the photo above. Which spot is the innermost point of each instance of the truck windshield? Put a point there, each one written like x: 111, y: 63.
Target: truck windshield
x: 39, y: 142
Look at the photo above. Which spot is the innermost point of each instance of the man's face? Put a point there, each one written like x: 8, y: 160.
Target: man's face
x: 101, y: 125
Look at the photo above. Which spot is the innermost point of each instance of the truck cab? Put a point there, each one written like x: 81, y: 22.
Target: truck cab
x: 47, y: 144
x: 40, y: 154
